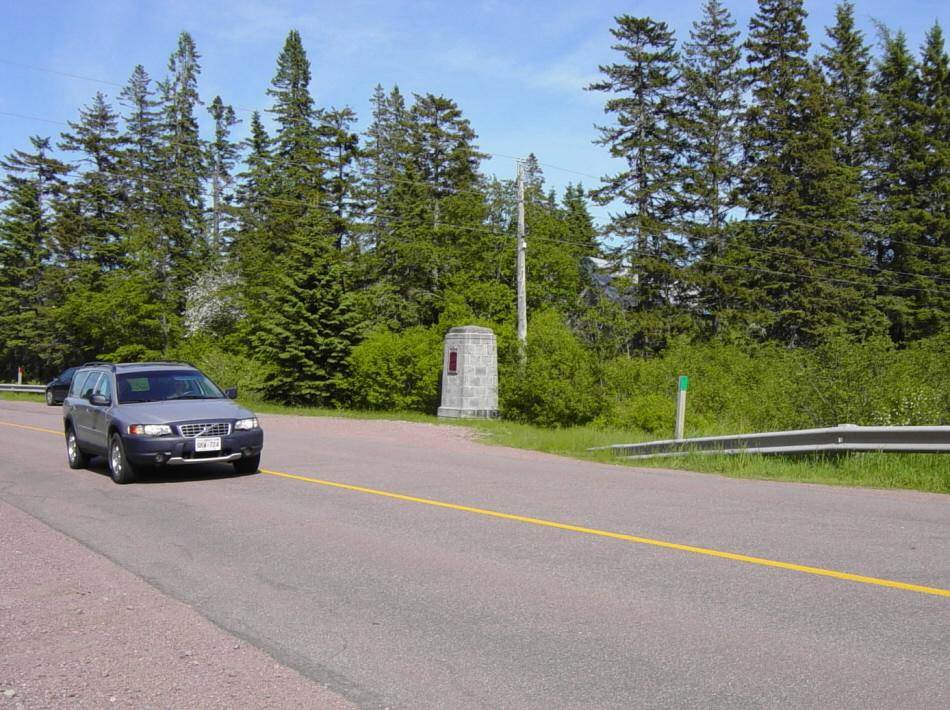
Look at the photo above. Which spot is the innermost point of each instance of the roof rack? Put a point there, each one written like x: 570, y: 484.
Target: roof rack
x: 157, y: 362
x: 93, y: 363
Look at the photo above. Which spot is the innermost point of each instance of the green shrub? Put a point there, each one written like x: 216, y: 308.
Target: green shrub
x: 397, y: 370
x: 557, y: 386
x: 226, y: 369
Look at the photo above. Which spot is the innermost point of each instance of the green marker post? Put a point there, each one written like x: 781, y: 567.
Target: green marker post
x: 681, y: 407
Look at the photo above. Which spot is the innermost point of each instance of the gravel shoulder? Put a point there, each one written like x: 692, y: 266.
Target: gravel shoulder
x: 78, y: 631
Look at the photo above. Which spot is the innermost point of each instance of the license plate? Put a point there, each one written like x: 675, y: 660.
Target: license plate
x: 208, y: 443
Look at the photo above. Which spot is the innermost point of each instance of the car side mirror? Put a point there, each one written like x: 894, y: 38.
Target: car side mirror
x: 231, y: 393
x: 100, y: 400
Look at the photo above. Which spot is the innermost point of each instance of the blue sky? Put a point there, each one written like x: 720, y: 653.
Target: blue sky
x: 516, y: 68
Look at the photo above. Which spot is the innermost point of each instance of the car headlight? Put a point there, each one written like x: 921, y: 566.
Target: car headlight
x: 246, y: 424
x: 150, y: 430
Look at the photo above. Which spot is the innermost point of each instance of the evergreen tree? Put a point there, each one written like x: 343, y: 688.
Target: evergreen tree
x: 297, y: 147
x: 254, y: 188
x: 789, y: 260
x: 183, y: 168
x: 909, y: 175
x: 442, y: 148
x: 645, y: 135
x: 934, y: 257
x: 386, y: 154
x: 308, y: 330
x: 709, y: 115
x: 344, y: 179
x: 140, y: 159
x: 32, y: 186
x: 302, y: 321
x: 222, y: 156
x: 710, y: 110
x: 896, y: 141
x: 847, y: 66
x: 91, y: 226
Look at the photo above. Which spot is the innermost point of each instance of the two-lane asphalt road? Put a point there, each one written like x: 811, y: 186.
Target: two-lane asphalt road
x: 405, y: 565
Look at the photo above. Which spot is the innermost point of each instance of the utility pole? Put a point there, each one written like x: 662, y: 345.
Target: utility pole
x: 522, y: 297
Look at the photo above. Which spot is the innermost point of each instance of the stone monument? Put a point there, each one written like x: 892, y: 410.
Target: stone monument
x: 470, y: 374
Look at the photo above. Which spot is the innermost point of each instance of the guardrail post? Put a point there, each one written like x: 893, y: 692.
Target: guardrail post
x: 681, y: 407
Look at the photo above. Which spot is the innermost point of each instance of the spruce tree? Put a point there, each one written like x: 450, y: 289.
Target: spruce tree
x: 934, y: 256
x: 643, y: 91
x: 803, y: 201
x: 847, y: 66
x: 140, y: 159
x: 32, y: 186
x: 183, y: 167
x: 386, y: 153
x: 307, y: 333
x: 253, y: 190
x: 92, y: 227
x: 302, y: 321
x: 898, y: 176
x: 297, y: 147
x: 222, y: 156
x: 709, y: 113
x: 344, y: 179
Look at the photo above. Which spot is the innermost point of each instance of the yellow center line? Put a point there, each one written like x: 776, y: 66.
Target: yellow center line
x: 762, y: 561
x: 32, y: 428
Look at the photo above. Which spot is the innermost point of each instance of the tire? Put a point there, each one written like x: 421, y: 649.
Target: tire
x: 120, y: 469
x: 50, y: 400
x: 248, y: 464
x: 75, y: 457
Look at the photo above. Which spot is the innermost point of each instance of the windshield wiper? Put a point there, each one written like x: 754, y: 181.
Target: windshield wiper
x: 190, y: 396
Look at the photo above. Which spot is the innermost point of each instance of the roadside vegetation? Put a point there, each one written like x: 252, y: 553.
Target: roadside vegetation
x: 923, y: 472
x: 778, y: 232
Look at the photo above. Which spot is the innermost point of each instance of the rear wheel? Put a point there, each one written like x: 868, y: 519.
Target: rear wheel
x: 74, y: 455
x: 248, y: 464
x: 119, y: 467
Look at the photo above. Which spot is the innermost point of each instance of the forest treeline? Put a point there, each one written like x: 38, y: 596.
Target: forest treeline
x: 775, y: 199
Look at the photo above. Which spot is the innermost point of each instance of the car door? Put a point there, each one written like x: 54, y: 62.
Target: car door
x: 82, y: 409
x: 100, y: 414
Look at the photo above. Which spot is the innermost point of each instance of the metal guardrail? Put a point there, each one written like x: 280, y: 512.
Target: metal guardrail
x: 844, y: 437
x: 37, y: 389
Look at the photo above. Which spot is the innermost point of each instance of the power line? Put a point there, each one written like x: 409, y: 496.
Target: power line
x: 480, y: 194
x: 45, y: 70
x: 488, y: 230
x: 854, y: 228
x: 365, y: 172
x: 106, y: 82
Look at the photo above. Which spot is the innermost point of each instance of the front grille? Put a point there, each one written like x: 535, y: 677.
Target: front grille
x: 209, y: 429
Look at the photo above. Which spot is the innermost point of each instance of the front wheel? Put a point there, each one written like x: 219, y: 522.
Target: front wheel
x: 74, y: 455
x: 248, y: 464
x: 50, y: 401
x: 119, y: 467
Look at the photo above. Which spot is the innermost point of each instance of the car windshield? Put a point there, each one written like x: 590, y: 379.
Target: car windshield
x: 165, y: 385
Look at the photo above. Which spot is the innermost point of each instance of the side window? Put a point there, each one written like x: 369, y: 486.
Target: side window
x: 104, y: 387
x: 78, y: 381
x: 89, y: 386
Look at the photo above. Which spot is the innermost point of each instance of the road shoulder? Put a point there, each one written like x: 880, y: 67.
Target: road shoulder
x: 80, y: 631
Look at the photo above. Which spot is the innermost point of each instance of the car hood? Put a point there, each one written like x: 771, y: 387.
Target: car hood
x: 183, y: 410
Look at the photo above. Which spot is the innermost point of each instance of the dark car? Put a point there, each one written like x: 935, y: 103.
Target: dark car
x: 155, y: 414
x: 58, y: 387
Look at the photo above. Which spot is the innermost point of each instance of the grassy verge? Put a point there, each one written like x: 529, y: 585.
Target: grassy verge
x: 22, y: 397
x: 922, y: 472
